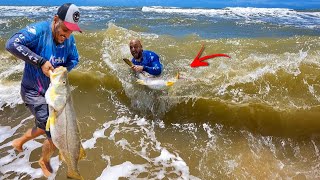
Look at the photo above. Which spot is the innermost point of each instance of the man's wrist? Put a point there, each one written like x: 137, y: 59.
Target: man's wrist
x: 41, y: 62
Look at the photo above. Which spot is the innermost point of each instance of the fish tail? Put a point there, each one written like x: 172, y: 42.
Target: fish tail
x: 139, y: 81
x: 169, y: 83
x: 73, y: 172
x: 74, y: 175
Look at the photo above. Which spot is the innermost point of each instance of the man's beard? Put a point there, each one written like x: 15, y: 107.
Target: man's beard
x: 137, y: 55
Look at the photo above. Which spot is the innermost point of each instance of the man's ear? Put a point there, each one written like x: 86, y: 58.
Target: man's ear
x: 56, y: 18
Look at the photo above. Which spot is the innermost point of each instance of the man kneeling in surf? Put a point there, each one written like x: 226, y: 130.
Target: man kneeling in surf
x: 147, y: 65
x: 144, y: 60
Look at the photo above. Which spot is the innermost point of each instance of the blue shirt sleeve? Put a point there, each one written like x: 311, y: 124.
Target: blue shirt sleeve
x: 20, y: 45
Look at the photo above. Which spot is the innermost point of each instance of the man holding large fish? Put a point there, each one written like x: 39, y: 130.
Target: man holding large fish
x: 45, y: 46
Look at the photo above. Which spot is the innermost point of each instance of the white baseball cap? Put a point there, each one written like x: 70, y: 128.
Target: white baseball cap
x: 70, y: 15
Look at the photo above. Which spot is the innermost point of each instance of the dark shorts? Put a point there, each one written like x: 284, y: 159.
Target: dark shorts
x: 41, y: 114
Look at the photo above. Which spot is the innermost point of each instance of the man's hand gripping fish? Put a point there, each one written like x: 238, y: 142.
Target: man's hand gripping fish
x: 62, y: 122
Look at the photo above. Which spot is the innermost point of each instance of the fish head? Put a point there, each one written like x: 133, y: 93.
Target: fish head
x: 59, y: 76
x: 58, y: 91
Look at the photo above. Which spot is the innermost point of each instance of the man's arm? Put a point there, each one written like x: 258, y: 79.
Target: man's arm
x: 17, y: 45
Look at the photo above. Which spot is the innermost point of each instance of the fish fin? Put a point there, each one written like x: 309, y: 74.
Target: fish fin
x: 169, y: 83
x: 61, y: 158
x: 141, y: 82
x: 82, y: 154
x: 51, y: 120
x: 178, y: 75
x: 74, y: 175
x: 48, y: 124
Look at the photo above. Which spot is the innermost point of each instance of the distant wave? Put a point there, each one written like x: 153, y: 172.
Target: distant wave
x: 276, y: 16
x: 54, y: 8
x: 3, y: 21
x: 234, y: 12
x: 14, y: 11
x: 248, y: 15
x: 29, y: 8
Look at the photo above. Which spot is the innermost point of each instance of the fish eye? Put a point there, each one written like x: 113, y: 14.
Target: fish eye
x: 63, y: 82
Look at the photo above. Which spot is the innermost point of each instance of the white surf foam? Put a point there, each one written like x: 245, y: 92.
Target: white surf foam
x: 125, y: 169
x: 7, y: 132
x: 10, y: 95
x: 12, y: 162
x: 10, y: 90
x: 165, y: 163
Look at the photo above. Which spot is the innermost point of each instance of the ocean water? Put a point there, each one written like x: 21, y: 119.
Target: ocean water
x: 253, y: 116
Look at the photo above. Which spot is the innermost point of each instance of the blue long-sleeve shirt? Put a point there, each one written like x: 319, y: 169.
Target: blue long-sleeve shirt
x: 35, y: 45
x: 150, y: 62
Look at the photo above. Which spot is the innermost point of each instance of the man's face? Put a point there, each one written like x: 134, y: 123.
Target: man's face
x: 60, y: 32
x: 136, y: 49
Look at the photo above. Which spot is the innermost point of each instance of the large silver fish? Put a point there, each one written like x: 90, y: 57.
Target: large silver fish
x: 155, y: 82
x: 151, y: 81
x: 62, y: 121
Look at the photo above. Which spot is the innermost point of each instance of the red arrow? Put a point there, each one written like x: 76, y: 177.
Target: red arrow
x: 198, y: 61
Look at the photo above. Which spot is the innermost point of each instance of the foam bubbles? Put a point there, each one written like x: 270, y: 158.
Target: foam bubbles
x: 165, y: 164
x: 10, y: 95
x: 12, y: 162
x: 9, y: 89
x: 126, y: 169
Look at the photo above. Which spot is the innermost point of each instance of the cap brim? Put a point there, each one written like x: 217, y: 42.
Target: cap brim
x: 72, y: 26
